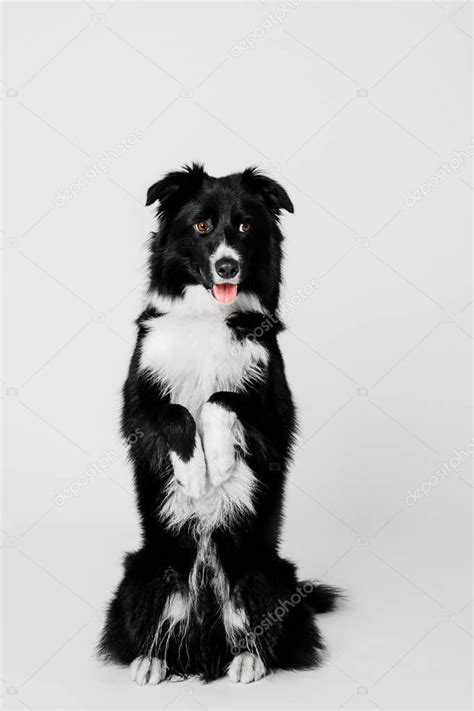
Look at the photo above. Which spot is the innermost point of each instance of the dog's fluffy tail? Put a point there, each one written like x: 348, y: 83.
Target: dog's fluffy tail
x: 321, y: 597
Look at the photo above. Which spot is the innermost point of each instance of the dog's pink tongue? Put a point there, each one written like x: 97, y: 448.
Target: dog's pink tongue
x: 225, y: 293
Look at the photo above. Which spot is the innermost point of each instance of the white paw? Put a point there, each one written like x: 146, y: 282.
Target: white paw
x: 221, y: 433
x: 191, y: 475
x: 148, y: 670
x: 246, y: 667
x: 221, y: 466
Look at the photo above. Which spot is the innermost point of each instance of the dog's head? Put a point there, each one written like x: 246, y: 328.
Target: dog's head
x: 220, y: 233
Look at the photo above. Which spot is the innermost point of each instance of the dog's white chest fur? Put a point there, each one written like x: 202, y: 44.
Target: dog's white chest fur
x: 192, y: 353
x: 195, y: 354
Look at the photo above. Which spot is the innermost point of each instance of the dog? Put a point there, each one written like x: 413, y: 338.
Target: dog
x: 210, y: 425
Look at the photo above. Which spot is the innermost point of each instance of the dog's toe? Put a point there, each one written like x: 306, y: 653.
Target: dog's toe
x: 134, y: 666
x: 158, y: 671
x: 234, y: 669
x: 246, y: 668
x: 139, y: 669
x: 148, y: 670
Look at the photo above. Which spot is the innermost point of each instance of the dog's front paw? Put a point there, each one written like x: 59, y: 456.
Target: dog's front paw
x: 148, y: 670
x: 221, y: 434
x: 220, y: 465
x: 191, y: 474
x: 246, y: 667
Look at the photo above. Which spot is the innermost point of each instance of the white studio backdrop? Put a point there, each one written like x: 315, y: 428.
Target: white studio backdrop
x: 363, y: 111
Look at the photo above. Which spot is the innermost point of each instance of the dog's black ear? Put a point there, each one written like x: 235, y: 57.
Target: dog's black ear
x: 176, y: 186
x: 274, y: 194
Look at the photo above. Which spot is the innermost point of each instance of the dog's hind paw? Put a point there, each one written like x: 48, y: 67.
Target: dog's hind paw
x: 191, y: 475
x: 148, y: 670
x: 246, y: 667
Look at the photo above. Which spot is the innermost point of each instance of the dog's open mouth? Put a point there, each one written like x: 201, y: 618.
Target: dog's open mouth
x: 225, y: 293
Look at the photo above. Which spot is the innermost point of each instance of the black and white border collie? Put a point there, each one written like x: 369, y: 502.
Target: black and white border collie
x: 210, y: 424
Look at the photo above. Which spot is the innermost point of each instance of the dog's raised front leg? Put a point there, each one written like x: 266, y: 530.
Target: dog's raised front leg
x: 186, y: 451
x: 223, y: 439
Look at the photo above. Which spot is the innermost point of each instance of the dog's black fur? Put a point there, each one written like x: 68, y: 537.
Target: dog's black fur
x: 245, y: 547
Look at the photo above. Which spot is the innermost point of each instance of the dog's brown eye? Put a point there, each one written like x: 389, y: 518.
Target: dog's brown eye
x: 202, y: 227
x: 245, y: 227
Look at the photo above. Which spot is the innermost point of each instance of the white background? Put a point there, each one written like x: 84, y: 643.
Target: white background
x: 352, y: 107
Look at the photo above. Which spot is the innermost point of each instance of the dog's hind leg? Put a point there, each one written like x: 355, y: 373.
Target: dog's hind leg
x: 279, y: 630
x: 153, y: 668
x: 146, y: 620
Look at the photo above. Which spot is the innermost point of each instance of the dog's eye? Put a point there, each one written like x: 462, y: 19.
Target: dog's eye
x: 245, y: 227
x: 202, y: 227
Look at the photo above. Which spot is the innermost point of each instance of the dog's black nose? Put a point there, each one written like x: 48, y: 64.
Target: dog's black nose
x: 227, y: 268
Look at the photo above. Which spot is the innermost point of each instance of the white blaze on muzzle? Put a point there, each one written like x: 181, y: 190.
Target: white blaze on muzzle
x: 225, y: 272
